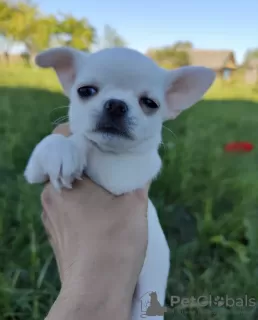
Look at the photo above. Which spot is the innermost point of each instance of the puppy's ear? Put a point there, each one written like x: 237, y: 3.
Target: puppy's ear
x: 185, y: 86
x: 65, y: 61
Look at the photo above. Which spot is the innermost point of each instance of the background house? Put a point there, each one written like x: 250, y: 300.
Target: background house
x: 221, y: 61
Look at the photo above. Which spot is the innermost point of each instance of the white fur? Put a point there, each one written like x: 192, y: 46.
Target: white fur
x: 120, y: 165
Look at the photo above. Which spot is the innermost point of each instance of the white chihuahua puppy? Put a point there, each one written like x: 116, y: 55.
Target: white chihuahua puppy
x: 119, y: 99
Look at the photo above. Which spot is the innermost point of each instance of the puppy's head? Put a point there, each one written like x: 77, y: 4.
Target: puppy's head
x: 119, y: 98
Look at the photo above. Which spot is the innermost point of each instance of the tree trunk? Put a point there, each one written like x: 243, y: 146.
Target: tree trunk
x: 31, y: 54
x: 32, y: 59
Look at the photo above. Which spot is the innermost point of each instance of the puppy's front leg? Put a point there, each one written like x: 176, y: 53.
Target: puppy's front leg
x: 149, y: 298
x: 59, y: 159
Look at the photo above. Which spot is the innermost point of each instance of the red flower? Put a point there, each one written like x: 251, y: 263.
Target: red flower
x: 239, y: 147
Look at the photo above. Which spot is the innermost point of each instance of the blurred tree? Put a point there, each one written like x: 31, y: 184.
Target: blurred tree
x: 6, y: 12
x: 169, y: 57
x: 110, y: 38
x: 24, y: 23
x: 5, y: 16
x: 77, y: 33
x: 183, y: 45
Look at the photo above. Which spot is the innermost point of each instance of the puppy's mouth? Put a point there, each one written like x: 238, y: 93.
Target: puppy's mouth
x: 113, y: 130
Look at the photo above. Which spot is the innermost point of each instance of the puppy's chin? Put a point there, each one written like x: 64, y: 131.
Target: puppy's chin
x: 118, y: 144
x: 108, y: 141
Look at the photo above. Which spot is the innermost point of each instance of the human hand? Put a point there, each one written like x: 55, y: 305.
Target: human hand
x: 100, y: 242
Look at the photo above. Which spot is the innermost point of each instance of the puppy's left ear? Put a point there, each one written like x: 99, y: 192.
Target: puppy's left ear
x: 65, y: 61
x: 186, y: 86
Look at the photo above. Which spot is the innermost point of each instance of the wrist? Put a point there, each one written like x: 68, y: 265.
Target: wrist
x: 95, y: 286
x: 92, y: 303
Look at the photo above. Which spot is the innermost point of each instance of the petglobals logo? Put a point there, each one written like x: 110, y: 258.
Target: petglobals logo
x: 238, y: 302
x: 150, y: 305
x: 210, y: 301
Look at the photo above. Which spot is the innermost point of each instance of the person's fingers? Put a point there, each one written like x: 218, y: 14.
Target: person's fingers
x: 46, y: 224
x: 50, y: 198
x: 63, y: 129
x: 51, y: 217
x: 142, y: 193
x: 53, y: 242
x: 49, y: 228
x: 46, y: 198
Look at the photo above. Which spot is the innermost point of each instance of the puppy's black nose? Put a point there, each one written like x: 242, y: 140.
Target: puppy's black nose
x: 116, y: 107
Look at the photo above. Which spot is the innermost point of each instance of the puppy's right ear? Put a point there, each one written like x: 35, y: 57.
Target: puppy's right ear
x: 65, y: 61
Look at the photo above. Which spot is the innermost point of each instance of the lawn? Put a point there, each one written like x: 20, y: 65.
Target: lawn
x: 207, y: 200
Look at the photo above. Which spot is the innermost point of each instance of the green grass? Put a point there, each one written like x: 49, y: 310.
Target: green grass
x: 207, y: 200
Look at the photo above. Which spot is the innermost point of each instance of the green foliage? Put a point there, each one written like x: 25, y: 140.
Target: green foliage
x: 171, y: 57
x: 207, y: 200
x: 25, y: 23
x: 183, y: 45
x: 5, y: 16
x: 76, y: 33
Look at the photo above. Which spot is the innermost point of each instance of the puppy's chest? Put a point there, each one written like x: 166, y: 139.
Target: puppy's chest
x: 121, y: 173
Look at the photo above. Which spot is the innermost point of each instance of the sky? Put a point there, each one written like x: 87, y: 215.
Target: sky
x: 208, y: 24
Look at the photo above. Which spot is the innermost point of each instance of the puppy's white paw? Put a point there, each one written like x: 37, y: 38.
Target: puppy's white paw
x: 58, y: 158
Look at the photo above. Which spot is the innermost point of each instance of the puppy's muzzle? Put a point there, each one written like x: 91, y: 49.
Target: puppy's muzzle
x: 115, y: 108
x: 114, y: 119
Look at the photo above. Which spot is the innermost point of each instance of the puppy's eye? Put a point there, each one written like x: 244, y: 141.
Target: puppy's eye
x: 146, y: 102
x: 87, y: 91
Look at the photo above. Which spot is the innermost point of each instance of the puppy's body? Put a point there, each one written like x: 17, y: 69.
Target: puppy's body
x: 118, y: 101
